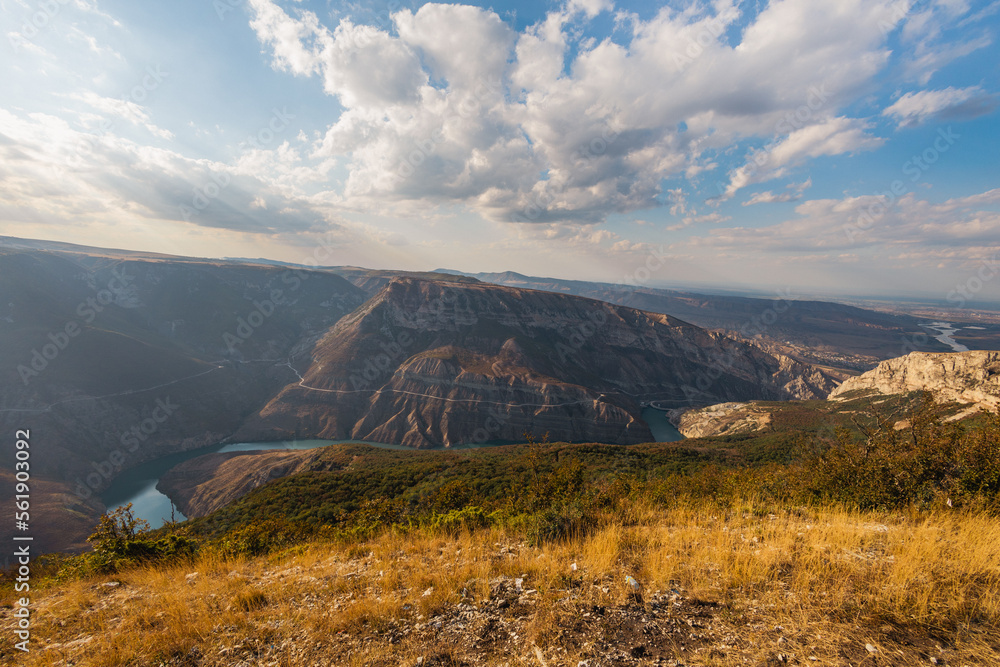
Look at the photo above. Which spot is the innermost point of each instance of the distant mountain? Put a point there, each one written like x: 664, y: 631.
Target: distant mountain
x: 373, y: 280
x: 113, y: 358
x: 830, y: 334
x: 429, y: 363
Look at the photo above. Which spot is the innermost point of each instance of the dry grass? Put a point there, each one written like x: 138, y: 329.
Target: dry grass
x: 796, y: 585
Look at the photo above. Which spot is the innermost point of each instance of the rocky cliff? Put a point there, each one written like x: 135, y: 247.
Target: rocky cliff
x: 429, y: 363
x: 721, y: 419
x: 961, y: 377
x: 202, y: 485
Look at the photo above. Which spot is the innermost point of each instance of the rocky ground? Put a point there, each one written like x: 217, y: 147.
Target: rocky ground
x: 469, y: 601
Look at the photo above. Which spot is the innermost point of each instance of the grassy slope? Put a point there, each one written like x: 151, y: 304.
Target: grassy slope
x: 721, y: 586
x: 726, y: 580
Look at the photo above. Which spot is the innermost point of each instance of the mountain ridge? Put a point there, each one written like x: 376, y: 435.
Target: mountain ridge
x: 522, y: 349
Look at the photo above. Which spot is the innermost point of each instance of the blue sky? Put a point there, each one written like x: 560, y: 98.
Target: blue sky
x: 821, y: 146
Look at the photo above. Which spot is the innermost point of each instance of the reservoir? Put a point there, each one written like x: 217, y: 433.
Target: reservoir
x: 138, y: 485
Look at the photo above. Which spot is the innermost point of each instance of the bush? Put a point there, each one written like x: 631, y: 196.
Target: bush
x: 256, y: 539
x: 121, y: 540
x: 927, y: 463
x: 559, y: 522
x: 467, y: 518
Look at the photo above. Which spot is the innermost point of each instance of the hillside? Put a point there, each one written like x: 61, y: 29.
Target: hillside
x: 969, y: 378
x: 115, y: 358
x: 840, y: 336
x: 963, y: 383
x: 112, y: 359
x: 725, y: 589
x: 557, y: 554
x: 429, y: 363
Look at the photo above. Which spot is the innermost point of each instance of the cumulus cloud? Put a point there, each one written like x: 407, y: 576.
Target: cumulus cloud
x: 453, y: 106
x: 949, y: 103
x: 448, y: 106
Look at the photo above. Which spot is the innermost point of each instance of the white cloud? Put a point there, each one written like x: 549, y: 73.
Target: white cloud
x: 915, y: 108
x: 793, y: 193
x: 925, y: 29
x: 831, y: 136
x: 590, y: 7
x: 464, y: 45
x: 456, y: 108
x: 706, y: 219
x: 51, y: 172
x: 122, y: 108
x: 872, y: 223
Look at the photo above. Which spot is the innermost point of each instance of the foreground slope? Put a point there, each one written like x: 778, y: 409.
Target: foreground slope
x: 727, y: 589
x: 428, y: 363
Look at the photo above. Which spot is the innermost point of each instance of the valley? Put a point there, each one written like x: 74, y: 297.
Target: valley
x: 334, y: 419
x: 94, y: 342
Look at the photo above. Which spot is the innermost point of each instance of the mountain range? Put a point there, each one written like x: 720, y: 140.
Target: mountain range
x: 114, y: 358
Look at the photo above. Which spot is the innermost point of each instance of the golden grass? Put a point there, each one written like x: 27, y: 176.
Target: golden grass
x: 805, y: 583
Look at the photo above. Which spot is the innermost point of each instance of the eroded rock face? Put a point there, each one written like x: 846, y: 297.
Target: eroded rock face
x: 428, y: 363
x: 971, y: 378
x: 722, y: 419
x: 202, y: 485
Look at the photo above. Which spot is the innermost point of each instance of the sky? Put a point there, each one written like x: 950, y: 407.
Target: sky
x: 842, y: 147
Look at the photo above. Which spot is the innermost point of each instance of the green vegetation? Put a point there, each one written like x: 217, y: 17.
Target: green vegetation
x: 860, y: 457
x: 856, y: 520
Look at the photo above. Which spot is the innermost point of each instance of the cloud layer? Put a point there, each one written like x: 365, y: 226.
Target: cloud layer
x: 591, y: 136
x: 452, y: 106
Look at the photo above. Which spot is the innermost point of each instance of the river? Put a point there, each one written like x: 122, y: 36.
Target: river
x: 945, y: 330
x: 138, y: 485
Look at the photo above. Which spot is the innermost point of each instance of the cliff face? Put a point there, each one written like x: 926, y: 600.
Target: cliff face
x: 202, y: 485
x: 427, y: 363
x: 961, y: 377
x: 722, y: 419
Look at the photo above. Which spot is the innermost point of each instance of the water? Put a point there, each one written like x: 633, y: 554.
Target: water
x: 945, y: 330
x: 138, y: 485
x: 663, y: 430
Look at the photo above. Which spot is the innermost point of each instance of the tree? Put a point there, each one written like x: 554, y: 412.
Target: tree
x: 118, y: 533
